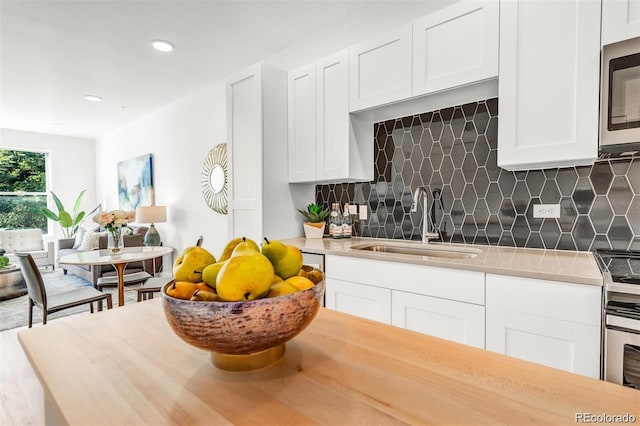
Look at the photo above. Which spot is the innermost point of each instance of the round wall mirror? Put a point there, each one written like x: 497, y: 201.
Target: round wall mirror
x: 217, y: 178
x: 213, y: 179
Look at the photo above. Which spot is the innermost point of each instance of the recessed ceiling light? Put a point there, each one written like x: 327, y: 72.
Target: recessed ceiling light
x: 93, y: 98
x: 162, y: 45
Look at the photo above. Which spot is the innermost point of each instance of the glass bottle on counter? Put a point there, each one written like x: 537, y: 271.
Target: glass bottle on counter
x: 335, y: 221
x: 346, y: 222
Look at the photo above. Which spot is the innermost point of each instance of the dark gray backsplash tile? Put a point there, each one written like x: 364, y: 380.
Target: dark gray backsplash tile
x: 455, y: 150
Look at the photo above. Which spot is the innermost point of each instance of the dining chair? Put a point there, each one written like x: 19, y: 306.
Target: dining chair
x: 55, y: 302
x: 151, y: 286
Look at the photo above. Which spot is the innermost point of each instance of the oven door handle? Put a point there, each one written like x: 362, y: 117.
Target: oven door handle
x: 627, y: 323
x: 622, y: 288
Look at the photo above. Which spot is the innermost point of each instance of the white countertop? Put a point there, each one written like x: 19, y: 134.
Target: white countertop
x: 556, y: 265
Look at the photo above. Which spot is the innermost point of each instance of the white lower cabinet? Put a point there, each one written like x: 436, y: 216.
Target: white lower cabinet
x: 361, y: 300
x: 447, y: 319
x: 445, y: 303
x: 551, y: 323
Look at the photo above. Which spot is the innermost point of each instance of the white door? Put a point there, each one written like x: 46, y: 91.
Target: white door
x: 549, y: 83
x: 361, y: 300
x: 244, y: 130
x: 562, y: 344
x: 620, y: 20
x: 380, y: 69
x: 454, y: 46
x: 447, y: 319
x: 333, y: 116
x: 302, y: 124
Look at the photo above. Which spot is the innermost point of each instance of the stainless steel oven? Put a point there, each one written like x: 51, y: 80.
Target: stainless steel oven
x: 621, y: 270
x: 620, y: 97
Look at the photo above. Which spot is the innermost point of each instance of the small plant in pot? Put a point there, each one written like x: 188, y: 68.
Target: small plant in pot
x: 314, y: 225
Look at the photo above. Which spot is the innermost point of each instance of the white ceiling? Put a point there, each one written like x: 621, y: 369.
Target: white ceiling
x: 54, y: 52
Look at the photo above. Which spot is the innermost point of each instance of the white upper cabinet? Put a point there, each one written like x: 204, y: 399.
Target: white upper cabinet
x: 380, y: 69
x: 325, y: 144
x: 257, y: 134
x: 549, y: 83
x: 455, y: 46
x: 302, y: 124
x: 620, y: 20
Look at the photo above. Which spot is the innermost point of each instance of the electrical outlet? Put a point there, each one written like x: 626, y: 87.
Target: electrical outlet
x: 363, y: 212
x: 353, y: 209
x: 546, y: 211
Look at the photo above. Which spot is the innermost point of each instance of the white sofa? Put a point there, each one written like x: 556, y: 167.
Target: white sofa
x: 29, y: 241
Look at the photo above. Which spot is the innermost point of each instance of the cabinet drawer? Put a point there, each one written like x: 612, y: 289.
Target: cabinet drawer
x: 551, y: 299
x: 464, y: 286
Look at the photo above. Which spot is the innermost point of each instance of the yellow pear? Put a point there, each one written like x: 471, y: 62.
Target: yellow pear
x: 228, y: 249
x: 281, y: 288
x: 300, y: 283
x: 286, y: 259
x: 210, y: 273
x: 246, y: 275
x: 191, y: 262
x: 205, y: 296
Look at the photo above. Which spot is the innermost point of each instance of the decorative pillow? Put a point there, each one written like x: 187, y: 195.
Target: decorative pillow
x: 91, y: 240
x: 79, y: 237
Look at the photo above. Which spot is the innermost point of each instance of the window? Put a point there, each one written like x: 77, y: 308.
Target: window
x: 23, y: 189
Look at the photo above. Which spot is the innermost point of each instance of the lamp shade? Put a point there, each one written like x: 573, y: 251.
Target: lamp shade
x: 151, y: 214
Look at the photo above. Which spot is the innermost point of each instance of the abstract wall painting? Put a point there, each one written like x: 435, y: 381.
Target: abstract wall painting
x: 135, y: 182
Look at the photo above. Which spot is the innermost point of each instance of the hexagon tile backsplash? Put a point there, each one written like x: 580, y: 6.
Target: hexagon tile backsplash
x: 454, y: 150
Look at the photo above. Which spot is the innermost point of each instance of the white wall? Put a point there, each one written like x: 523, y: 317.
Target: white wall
x: 71, y: 162
x: 179, y: 137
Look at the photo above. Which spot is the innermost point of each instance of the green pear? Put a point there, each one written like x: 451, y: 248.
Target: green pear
x: 246, y: 275
x: 190, y: 264
x: 210, y: 273
x: 286, y: 259
x: 231, y: 245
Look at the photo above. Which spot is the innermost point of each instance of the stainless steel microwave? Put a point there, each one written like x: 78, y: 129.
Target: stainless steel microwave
x: 620, y: 97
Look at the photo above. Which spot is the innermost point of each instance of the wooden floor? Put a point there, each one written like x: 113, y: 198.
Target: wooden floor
x: 21, y: 396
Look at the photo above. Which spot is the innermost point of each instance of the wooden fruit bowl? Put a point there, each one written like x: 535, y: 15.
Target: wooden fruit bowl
x: 243, y: 328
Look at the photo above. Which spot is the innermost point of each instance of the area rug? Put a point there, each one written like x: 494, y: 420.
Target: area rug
x: 15, y: 312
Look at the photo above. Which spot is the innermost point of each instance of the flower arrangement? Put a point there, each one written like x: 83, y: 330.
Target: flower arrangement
x: 113, y: 221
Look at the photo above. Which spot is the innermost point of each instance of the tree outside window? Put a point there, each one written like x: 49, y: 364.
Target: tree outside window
x: 23, y: 189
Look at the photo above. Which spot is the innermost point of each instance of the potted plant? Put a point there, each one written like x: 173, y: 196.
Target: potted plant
x: 69, y: 222
x: 314, y: 225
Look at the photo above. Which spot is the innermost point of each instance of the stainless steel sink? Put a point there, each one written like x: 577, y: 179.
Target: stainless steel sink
x: 420, y: 250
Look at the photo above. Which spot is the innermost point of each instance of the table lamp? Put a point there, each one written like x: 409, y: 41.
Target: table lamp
x: 151, y: 214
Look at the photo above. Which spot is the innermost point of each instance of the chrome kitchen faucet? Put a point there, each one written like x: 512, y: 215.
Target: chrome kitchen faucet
x: 435, y: 234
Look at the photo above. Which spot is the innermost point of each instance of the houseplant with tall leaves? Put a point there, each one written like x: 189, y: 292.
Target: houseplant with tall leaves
x: 69, y: 222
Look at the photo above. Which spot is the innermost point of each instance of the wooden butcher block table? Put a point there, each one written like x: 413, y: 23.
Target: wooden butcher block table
x: 126, y: 366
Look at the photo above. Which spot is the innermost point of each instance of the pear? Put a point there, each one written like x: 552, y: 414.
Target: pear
x: 281, y: 288
x: 191, y: 262
x: 186, y: 289
x: 300, y: 283
x: 210, y: 273
x: 286, y: 259
x: 246, y: 275
x: 231, y: 245
x: 205, y: 296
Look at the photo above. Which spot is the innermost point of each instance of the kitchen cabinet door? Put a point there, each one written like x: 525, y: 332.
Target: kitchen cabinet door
x: 332, y: 105
x: 455, y: 46
x: 302, y: 124
x: 549, y: 83
x: 380, y: 69
x: 620, y: 20
x: 361, y: 300
x: 447, y: 319
x: 260, y: 201
x: 547, y: 322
